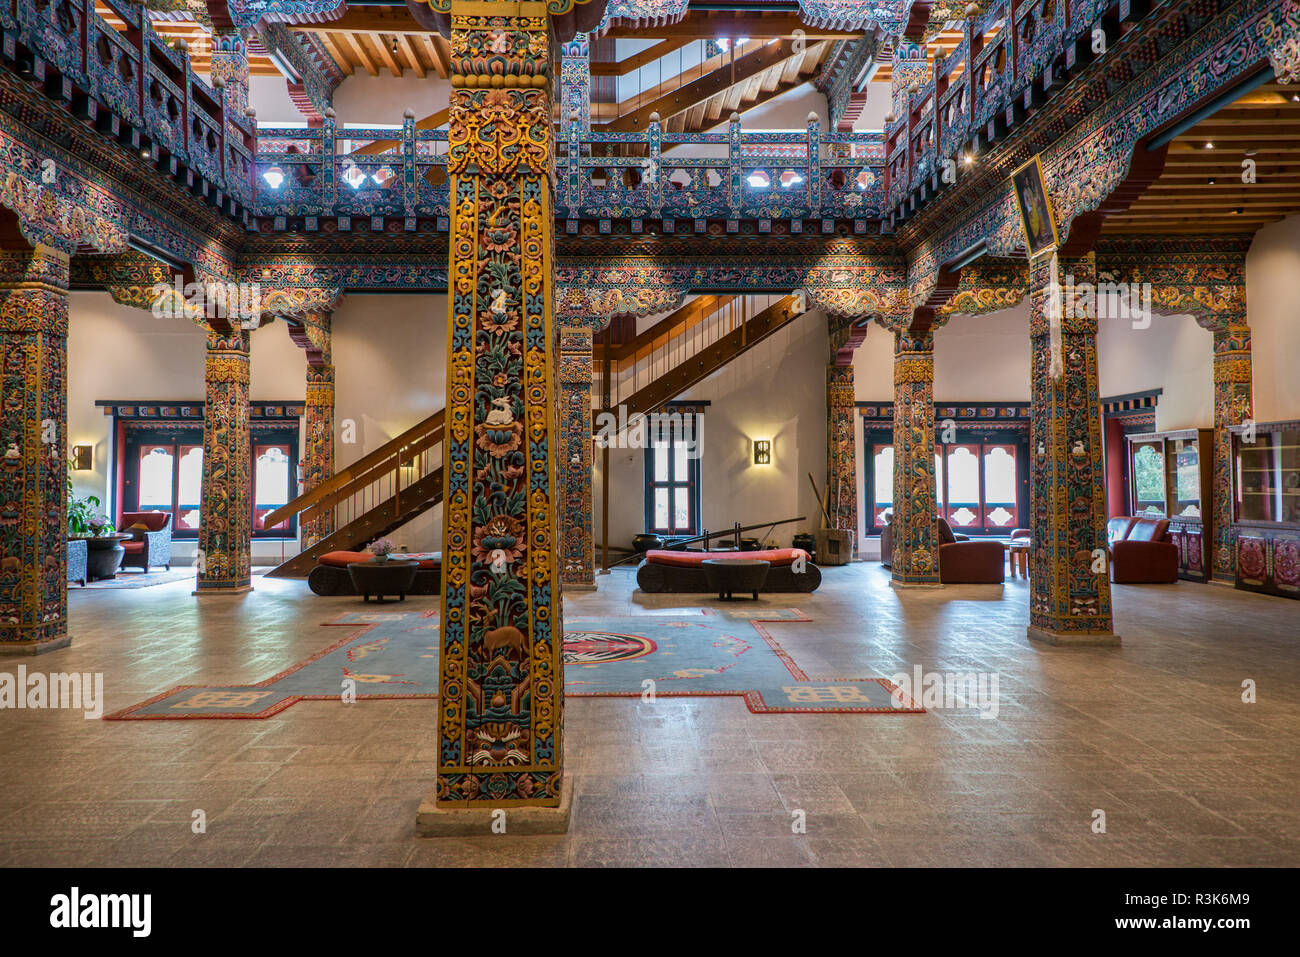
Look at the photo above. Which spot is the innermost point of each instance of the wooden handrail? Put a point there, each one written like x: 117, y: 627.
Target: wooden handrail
x: 687, y: 316
x: 695, y: 367
x: 348, y: 480
x: 392, y: 463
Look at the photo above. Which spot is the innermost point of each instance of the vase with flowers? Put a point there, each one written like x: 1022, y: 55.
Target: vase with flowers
x: 381, y: 548
x: 99, y: 525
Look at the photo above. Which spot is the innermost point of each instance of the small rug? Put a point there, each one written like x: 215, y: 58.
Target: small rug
x: 137, y: 579
x: 395, y: 655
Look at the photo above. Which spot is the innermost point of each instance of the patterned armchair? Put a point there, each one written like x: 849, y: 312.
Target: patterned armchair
x: 77, y: 560
x: 152, y: 544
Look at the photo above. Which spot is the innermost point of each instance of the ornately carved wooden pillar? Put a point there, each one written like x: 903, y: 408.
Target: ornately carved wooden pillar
x: 502, y: 690
x: 225, y: 511
x: 33, y: 444
x: 318, y: 429
x: 841, y: 451
x: 1069, y: 577
x: 913, y: 527
x: 1233, y: 402
x: 577, y: 559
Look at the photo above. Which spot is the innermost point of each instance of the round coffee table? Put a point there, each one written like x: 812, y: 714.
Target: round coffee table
x: 383, y: 578
x: 729, y: 575
x: 104, y: 554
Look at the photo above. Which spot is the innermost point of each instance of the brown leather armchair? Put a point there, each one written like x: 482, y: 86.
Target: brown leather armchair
x: 1141, y: 551
x: 966, y: 561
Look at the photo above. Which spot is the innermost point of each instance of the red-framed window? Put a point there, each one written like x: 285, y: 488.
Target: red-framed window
x: 981, y: 481
x: 162, y: 468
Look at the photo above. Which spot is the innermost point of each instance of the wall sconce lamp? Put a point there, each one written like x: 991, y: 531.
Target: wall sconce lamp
x: 762, y: 451
x: 81, y: 458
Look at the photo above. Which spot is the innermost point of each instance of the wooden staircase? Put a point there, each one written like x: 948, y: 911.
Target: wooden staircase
x: 376, y: 494
x: 687, y: 347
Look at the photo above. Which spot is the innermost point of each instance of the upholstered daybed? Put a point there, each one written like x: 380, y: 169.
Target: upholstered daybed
x: 671, y: 571
x: 330, y: 576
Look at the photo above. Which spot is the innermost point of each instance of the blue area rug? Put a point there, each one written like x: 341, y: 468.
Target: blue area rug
x: 395, y: 655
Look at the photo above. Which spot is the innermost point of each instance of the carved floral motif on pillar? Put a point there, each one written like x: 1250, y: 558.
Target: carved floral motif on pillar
x: 500, y: 711
x: 914, y: 529
x: 225, y: 508
x: 841, y: 451
x: 33, y: 442
x: 577, y: 559
x: 1068, y: 575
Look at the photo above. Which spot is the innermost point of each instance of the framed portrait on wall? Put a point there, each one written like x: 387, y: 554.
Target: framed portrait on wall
x: 1035, y: 207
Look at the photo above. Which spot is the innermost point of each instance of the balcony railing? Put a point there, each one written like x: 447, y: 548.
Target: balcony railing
x: 128, y: 82
x: 132, y: 85
x: 1010, y: 60
x: 652, y: 175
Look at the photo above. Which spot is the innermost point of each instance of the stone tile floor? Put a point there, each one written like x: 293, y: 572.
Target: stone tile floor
x: 1154, y: 734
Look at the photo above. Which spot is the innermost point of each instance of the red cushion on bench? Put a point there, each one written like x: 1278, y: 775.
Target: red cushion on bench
x: 344, y: 559
x: 776, y: 556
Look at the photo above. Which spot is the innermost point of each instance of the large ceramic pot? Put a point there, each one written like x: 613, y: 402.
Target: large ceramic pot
x: 646, y: 541
x: 104, y: 554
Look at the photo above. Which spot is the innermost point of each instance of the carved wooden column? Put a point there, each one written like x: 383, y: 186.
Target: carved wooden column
x: 318, y: 423
x: 33, y: 444
x: 1232, y: 406
x: 577, y: 562
x: 502, y: 688
x: 575, y: 82
x: 913, y: 527
x: 1069, y: 578
x: 841, y: 452
x: 225, y: 509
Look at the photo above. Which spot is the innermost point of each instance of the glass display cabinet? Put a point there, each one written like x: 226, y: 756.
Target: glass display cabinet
x: 1169, y: 477
x: 1266, y: 507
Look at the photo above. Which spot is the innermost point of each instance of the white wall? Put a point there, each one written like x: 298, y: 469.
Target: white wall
x: 1273, y: 303
x: 389, y: 355
x: 776, y: 391
x: 269, y: 96
x: 365, y: 99
x: 361, y: 99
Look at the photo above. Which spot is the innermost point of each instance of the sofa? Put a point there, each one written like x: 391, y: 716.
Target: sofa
x: 77, y: 557
x: 673, y: 571
x: 330, y: 576
x: 1141, y: 551
x: 152, y: 544
x: 967, y: 561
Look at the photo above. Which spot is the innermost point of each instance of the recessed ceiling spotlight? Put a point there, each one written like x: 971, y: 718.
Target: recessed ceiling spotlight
x: 1211, y: 181
x: 1239, y: 210
x: 1209, y: 144
x: 1250, y: 152
x: 1295, y: 97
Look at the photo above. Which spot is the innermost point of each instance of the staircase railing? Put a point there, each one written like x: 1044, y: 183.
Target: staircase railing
x: 372, y: 495
x: 695, y: 341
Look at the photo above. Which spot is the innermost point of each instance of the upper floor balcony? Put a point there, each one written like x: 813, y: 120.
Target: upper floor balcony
x: 133, y: 85
x: 1011, y: 59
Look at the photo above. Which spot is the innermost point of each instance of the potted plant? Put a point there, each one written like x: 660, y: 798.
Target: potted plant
x: 381, y: 548
x: 80, y: 513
